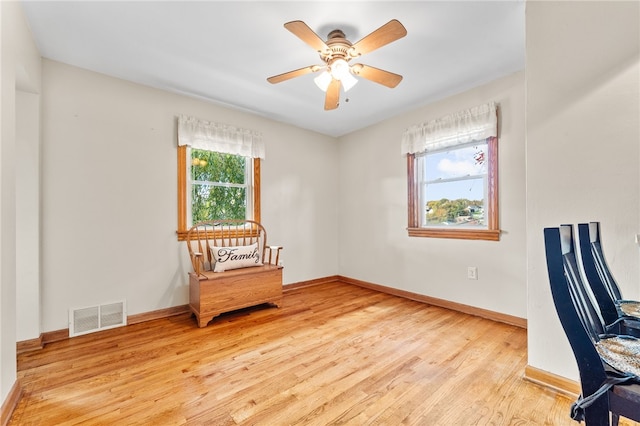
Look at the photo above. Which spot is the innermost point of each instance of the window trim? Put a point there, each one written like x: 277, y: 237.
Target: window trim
x: 492, y: 233
x: 183, y: 192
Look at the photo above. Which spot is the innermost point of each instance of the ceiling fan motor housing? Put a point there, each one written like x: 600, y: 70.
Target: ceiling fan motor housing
x: 338, y: 48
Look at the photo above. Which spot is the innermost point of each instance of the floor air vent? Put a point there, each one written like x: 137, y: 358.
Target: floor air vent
x: 96, y: 318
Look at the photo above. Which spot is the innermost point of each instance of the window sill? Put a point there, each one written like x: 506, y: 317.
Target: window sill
x: 218, y: 234
x: 461, y: 234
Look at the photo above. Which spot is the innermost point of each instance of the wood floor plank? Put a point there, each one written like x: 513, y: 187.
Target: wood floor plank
x: 333, y: 354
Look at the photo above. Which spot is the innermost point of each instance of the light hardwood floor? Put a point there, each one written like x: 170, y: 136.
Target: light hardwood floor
x: 332, y: 354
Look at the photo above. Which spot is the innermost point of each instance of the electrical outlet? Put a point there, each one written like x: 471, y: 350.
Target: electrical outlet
x: 472, y: 272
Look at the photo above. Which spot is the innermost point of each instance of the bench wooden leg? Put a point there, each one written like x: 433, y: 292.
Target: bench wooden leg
x: 202, y: 322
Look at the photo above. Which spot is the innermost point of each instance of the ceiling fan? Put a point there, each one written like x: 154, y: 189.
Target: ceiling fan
x: 336, y: 53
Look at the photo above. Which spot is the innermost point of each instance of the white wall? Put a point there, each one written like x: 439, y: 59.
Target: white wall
x: 374, y: 245
x: 583, y: 131
x: 27, y: 215
x: 110, y: 194
x: 19, y: 69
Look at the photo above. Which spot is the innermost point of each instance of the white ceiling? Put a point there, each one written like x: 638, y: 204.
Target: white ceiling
x: 223, y: 51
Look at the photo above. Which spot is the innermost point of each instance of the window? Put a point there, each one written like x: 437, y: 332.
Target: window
x: 218, y: 173
x: 452, y: 170
x: 214, y: 185
x: 220, y: 186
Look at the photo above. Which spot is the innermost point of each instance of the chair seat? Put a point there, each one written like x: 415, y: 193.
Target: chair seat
x: 629, y: 308
x: 621, y: 353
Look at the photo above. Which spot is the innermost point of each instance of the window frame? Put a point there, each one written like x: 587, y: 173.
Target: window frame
x: 492, y: 233
x: 184, y: 191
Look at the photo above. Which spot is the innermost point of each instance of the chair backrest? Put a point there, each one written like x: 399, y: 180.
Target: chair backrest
x: 577, y: 313
x: 596, y: 270
x: 587, y: 309
x: 591, y: 232
x: 222, y: 233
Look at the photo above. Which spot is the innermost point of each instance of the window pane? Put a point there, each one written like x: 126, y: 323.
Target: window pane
x: 217, y: 202
x: 454, y: 187
x: 457, y: 203
x: 209, y: 166
x: 466, y: 161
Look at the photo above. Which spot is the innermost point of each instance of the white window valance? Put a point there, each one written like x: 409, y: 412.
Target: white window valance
x: 477, y: 123
x: 217, y: 137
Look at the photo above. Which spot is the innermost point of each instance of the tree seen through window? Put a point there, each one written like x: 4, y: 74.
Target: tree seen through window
x: 218, y: 186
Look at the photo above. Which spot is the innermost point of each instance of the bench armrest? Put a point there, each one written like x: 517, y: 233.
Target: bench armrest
x: 277, y: 254
x: 196, y: 260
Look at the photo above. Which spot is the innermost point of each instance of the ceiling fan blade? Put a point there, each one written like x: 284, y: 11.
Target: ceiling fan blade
x: 389, y: 32
x: 291, y: 74
x: 379, y: 76
x: 306, y: 34
x: 332, y: 97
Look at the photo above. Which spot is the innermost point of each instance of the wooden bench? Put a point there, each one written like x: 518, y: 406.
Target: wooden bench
x: 213, y: 293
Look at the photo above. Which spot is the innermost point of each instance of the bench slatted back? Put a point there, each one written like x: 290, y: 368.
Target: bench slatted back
x: 222, y: 233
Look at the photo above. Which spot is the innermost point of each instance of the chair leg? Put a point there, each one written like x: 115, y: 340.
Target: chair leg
x: 598, y: 414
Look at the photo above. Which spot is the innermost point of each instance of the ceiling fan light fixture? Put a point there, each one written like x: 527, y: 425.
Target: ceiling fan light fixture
x: 323, y: 80
x: 348, y: 81
x: 341, y: 71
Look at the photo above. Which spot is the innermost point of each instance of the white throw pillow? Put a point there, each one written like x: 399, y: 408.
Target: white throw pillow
x: 227, y: 258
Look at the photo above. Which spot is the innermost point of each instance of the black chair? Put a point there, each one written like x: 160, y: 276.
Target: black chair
x: 614, y: 309
x: 607, y: 393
